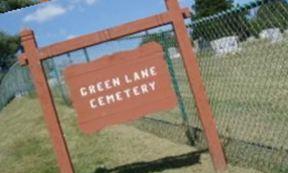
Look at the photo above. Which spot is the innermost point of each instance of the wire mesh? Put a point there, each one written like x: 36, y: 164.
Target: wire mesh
x: 242, y: 54
x: 14, y: 83
x: 243, y: 58
x: 174, y: 125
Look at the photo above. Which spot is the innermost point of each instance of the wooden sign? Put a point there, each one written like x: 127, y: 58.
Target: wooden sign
x: 99, y: 98
x: 120, y: 87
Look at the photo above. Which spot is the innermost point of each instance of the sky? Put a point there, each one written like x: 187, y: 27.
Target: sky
x: 60, y: 20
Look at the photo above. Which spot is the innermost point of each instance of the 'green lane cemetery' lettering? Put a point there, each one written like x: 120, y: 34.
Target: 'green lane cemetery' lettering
x: 134, y: 91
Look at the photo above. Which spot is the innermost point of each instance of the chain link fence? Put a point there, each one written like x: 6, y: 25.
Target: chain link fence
x: 243, y: 56
x: 173, y: 125
x: 14, y: 83
x: 244, y: 63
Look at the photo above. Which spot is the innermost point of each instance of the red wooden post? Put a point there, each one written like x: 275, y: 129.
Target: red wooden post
x: 197, y: 86
x: 32, y: 57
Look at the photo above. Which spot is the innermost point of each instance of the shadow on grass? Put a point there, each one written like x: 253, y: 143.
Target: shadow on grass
x: 162, y: 164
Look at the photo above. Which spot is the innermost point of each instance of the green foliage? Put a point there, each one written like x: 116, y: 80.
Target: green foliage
x: 8, y: 5
x: 272, y: 14
x: 204, y: 8
x: 238, y: 21
x: 166, y: 39
x: 233, y: 23
x: 9, y: 45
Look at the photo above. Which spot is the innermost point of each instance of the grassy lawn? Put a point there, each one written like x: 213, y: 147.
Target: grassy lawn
x: 25, y: 146
x: 248, y: 92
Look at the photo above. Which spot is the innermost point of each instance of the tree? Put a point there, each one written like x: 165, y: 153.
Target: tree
x: 232, y: 23
x: 8, y: 5
x: 204, y: 8
x: 209, y: 30
x: 9, y: 45
x: 165, y: 38
x: 272, y: 14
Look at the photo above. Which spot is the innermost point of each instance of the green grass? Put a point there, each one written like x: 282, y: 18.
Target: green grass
x: 248, y: 93
x: 25, y: 146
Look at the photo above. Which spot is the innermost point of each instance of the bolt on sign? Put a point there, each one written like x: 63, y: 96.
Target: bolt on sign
x: 120, y: 87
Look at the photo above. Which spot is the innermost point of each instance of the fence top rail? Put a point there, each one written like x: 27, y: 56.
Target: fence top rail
x: 100, y: 36
x: 237, y: 9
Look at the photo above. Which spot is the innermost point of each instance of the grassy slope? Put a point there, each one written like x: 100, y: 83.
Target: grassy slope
x: 25, y: 146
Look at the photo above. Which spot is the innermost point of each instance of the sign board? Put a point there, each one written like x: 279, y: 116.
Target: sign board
x: 92, y: 85
x: 120, y: 87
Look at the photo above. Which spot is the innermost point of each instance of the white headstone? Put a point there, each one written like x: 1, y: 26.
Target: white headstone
x: 52, y: 82
x: 225, y: 45
x: 20, y: 94
x: 272, y: 34
x: 174, y: 53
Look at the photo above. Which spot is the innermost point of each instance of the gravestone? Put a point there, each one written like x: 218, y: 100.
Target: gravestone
x: 53, y: 82
x: 272, y: 34
x: 225, y: 45
x: 174, y: 53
